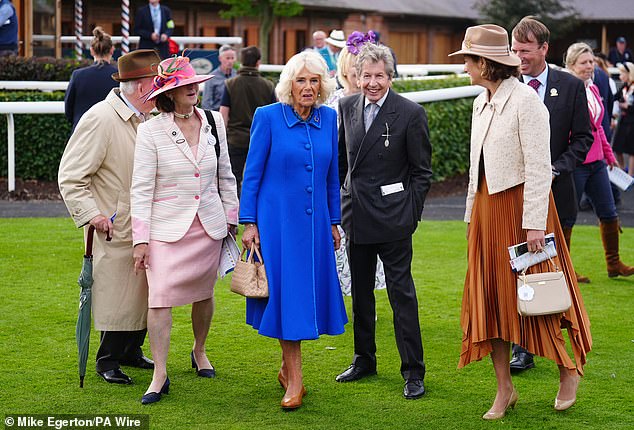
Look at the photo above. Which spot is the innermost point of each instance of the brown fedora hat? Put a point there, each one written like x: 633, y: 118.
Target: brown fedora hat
x: 138, y: 64
x: 489, y: 41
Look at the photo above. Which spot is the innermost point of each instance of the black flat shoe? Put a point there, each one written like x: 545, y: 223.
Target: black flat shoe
x: 521, y: 361
x: 141, y: 362
x: 413, y: 389
x: 115, y: 376
x: 354, y: 373
x: 203, y: 373
x: 154, y: 397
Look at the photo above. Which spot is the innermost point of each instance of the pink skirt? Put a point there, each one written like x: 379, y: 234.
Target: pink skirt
x: 184, y: 271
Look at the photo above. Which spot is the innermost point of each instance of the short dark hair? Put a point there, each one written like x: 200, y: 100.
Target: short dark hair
x: 530, y: 26
x: 164, y: 103
x: 250, y: 56
x: 493, y: 71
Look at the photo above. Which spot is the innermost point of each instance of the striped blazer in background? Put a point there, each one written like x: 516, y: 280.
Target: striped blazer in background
x: 170, y: 186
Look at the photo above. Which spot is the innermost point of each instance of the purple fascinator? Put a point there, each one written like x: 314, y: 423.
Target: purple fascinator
x: 356, y: 40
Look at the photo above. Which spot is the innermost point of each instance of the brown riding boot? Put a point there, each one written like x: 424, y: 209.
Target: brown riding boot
x: 610, y: 236
x: 567, y: 235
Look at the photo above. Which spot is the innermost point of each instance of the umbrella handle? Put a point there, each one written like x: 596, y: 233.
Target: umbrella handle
x: 91, y: 235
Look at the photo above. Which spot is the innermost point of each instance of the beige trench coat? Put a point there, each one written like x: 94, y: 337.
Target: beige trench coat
x: 95, y: 175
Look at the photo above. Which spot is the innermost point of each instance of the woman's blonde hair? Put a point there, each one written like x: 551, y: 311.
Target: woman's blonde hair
x: 575, y: 51
x: 314, y: 63
x: 628, y: 69
x: 344, y: 64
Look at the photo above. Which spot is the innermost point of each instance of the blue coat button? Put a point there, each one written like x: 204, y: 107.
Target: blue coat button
x: 307, y: 146
x: 309, y: 189
x: 309, y: 167
x: 309, y: 211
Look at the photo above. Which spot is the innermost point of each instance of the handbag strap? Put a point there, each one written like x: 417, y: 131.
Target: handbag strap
x: 523, y: 275
x: 254, y: 251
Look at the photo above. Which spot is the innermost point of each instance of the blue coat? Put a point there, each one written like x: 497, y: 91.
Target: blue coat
x: 87, y: 86
x: 291, y: 190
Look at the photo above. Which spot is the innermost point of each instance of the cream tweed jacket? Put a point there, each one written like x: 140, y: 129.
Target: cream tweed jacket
x: 170, y: 186
x: 512, y: 131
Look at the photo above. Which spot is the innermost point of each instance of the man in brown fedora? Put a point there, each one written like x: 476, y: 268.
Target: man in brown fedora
x: 94, y: 177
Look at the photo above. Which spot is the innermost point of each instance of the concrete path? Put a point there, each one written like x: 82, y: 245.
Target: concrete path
x: 439, y: 208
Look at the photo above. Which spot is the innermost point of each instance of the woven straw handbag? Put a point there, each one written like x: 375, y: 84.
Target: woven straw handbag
x: 249, y: 276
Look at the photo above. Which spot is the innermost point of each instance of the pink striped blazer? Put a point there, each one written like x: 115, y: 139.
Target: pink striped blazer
x: 170, y: 186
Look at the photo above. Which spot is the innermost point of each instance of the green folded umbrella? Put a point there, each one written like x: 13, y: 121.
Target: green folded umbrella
x: 82, y: 329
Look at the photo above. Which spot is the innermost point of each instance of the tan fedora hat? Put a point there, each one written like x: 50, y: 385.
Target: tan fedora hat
x: 489, y: 41
x: 138, y: 64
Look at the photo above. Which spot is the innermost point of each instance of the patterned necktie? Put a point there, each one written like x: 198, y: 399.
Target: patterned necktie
x: 534, y: 84
x: 371, y: 113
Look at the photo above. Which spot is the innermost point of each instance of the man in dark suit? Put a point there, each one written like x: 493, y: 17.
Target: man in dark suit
x: 385, y: 155
x: 154, y: 25
x: 570, y: 136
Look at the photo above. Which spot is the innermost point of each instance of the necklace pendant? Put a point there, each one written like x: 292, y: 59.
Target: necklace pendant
x: 387, y: 142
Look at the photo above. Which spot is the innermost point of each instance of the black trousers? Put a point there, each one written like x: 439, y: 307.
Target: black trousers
x: 397, y: 261
x: 238, y: 158
x: 117, y: 346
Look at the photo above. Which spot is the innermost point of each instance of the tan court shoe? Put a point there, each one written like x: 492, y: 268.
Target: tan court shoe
x: 497, y: 415
x: 293, y: 402
x: 562, y: 405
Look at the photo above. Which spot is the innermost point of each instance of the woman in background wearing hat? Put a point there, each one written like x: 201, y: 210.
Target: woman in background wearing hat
x: 508, y: 202
x: 592, y: 176
x: 184, y: 202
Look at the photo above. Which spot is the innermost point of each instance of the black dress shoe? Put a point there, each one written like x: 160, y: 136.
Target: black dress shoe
x: 521, y: 361
x: 141, y: 362
x: 354, y: 373
x: 154, y: 397
x: 115, y: 376
x: 414, y: 388
x: 203, y: 373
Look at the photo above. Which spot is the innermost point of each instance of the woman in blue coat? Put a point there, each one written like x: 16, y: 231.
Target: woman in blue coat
x: 290, y: 206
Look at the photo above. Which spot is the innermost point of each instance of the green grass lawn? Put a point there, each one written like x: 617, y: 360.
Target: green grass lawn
x: 41, y: 258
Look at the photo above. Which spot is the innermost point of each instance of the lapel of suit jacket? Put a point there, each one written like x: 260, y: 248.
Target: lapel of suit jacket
x: 178, y: 138
x: 387, y: 115
x: 551, y: 97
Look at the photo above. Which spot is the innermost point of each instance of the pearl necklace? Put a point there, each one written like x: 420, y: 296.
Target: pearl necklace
x: 184, y: 116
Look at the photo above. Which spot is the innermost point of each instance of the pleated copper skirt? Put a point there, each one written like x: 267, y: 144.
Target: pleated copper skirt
x: 489, y: 303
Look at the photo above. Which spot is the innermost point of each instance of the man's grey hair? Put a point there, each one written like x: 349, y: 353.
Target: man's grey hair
x: 225, y: 48
x: 371, y: 53
x: 128, y: 87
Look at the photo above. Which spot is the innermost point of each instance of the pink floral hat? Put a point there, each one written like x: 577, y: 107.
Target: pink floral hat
x: 175, y: 72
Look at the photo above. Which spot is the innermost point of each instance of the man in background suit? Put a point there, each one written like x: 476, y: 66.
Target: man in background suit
x: 154, y: 25
x: 570, y: 136
x: 385, y: 155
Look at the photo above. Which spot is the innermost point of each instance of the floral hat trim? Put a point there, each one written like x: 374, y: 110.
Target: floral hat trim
x: 356, y: 40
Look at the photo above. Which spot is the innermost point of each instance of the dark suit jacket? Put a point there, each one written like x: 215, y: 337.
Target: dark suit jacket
x: 87, y: 86
x: 570, y: 135
x: 144, y: 27
x: 367, y: 216
x: 602, y: 81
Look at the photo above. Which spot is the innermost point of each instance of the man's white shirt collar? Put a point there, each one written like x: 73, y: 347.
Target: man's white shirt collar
x: 543, y: 80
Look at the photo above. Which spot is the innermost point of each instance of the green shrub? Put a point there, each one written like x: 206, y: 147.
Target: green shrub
x: 39, y: 68
x: 40, y: 139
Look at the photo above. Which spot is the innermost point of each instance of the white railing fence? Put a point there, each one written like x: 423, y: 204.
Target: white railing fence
x: 16, y: 108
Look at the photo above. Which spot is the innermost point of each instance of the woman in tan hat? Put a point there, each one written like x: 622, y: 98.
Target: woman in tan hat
x: 508, y: 202
x: 184, y: 203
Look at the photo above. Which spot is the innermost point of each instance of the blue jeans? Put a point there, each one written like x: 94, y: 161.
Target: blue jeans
x: 593, y: 180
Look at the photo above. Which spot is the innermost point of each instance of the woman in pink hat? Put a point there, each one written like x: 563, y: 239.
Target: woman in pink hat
x: 184, y: 202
